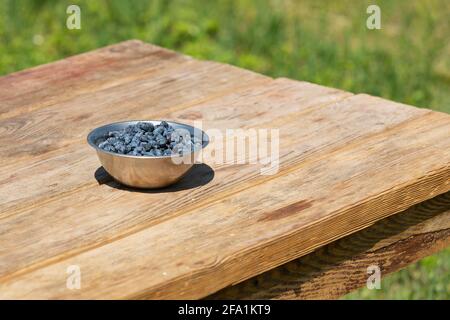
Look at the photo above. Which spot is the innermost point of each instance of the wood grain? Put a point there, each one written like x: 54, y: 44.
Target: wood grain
x: 347, y: 161
x: 212, y: 264
x: 341, y: 267
x: 113, y: 223
x: 50, y: 129
x: 122, y: 217
x: 52, y: 83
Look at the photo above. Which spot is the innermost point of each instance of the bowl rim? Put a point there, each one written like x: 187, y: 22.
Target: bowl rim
x: 89, y: 138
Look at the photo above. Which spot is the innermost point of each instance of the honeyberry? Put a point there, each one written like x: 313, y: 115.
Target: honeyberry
x: 146, y: 139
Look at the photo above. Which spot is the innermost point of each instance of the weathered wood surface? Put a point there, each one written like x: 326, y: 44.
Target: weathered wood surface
x: 341, y: 266
x: 346, y: 161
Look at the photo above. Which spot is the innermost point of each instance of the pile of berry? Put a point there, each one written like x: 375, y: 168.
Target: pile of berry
x: 145, y: 139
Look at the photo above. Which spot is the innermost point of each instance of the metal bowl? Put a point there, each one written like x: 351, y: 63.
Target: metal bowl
x: 145, y: 171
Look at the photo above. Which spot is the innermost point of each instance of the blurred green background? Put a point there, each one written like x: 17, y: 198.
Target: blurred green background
x: 325, y: 42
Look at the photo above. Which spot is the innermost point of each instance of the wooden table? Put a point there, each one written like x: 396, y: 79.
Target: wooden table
x: 347, y: 162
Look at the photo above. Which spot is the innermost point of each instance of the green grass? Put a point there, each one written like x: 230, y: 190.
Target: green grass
x: 325, y: 42
x: 427, y: 279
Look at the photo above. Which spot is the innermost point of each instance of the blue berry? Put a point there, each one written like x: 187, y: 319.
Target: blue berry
x: 146, y: 139
x: 161, y: 141
x: 158, y: 130
x: 149, y: 153
x: 146, y: 126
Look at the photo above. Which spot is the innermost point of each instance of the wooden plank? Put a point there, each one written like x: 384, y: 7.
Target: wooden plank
x: 49, y: 84
x: 248, y: 232
x: 341, y: 267
x: 217, y: 113
x: 57, y: 210
x: 51, y: 168
x: 51, y: 129
x: 128, y: 212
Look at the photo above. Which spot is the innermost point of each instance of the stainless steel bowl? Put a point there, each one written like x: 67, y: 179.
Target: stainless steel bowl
x: 145, y: 171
